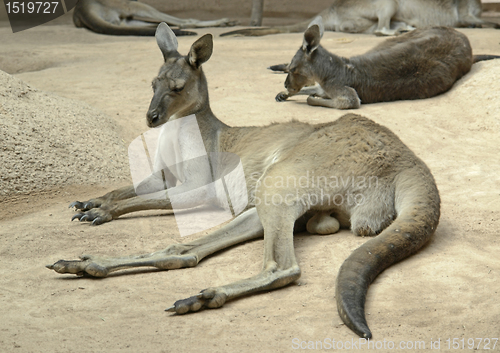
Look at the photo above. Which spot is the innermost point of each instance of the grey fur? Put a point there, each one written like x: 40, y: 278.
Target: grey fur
x: 419, y: 64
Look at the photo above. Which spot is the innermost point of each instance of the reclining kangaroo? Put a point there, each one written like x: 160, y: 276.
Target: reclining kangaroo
x: 386, y: 17
x: 125, y: 17
x: 402, y: 209
x: 419, y: 64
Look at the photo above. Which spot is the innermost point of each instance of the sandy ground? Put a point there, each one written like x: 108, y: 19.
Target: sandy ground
x: 450, y: 290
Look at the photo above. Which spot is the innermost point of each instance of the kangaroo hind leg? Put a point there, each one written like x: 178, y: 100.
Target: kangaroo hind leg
x: 280, y: 266
x: 245, y: 227
x: 150, y: 14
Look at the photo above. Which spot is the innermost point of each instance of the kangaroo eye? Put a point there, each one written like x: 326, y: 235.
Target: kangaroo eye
x: 177, y: 89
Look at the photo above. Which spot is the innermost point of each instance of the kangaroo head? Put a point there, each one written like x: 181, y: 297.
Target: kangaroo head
x: 180, y: 89
x: 300, y: 69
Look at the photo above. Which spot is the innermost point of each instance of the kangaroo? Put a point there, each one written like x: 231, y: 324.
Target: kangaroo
x: 416, y: 65
x: 386, y: 17
x: 401, y: 209
x: 128, y: 17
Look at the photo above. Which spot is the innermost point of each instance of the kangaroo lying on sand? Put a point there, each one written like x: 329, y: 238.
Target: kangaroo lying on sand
x: 401, y: 210
x: 125, y: 17
x: 419, y: 64
x: 386, y: 17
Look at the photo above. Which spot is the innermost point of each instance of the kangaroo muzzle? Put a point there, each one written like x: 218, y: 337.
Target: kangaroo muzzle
x: 156, y: 110
x: 152, y: 117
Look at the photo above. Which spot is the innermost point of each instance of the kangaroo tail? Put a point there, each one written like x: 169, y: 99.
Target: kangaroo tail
x: 258, y: 32
x: 477, y: 58
x: 279, y: 67
x: 417, y: 206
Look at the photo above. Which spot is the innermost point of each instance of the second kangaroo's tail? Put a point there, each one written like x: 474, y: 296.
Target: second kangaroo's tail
x: 279, y: 68
x: 417, y: 205
x: 477, y: 58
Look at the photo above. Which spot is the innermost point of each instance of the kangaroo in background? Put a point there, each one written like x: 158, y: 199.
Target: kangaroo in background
x: 419, y: 64
x: 386, y: 17
x: 401, y: 210
x: 129, y: 17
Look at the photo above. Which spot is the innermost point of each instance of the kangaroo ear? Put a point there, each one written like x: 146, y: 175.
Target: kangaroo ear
x: 318, y: 20
x: 166, y: 40
x: 313, y: 34
x: 311, y: 39
x: 201, y: 51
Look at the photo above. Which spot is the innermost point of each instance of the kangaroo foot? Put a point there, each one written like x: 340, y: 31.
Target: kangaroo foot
x: 226, y: 22
x: 86, y: 265
x: 208, y: 298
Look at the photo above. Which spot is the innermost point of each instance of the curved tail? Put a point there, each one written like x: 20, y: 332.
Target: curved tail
x: 477, y: 58
x: 417, y: 206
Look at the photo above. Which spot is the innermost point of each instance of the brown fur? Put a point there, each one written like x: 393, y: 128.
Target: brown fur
x: 386, y: 17
x: 125, y: 17
x: 419, y: 64
x: 401, y: 208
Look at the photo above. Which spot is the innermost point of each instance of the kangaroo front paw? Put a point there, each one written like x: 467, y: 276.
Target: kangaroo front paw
x: 85, y: 265
x: 96, y: 215
x: 282, y: 96
x: 208, y: 298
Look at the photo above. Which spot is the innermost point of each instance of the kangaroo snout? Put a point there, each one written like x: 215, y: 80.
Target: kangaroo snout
x: 152, y: 117
x: 288, y: 85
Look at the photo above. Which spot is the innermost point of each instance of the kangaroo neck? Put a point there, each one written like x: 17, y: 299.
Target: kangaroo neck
x: 210, y: 128
x: 327, y: 66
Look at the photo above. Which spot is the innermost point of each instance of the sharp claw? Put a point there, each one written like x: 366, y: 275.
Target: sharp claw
x: 88, y: 205
x: 50, y: 267
x: 77, y: 216
x: 171, y: 309
x: 76, y: 204
x: 96, y: 221
x: 84, y: 218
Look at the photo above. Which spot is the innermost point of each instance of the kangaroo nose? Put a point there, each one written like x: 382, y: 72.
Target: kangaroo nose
x: 152, y: 117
